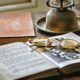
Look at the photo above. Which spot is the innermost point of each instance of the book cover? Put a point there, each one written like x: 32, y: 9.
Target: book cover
x: 18, y: 24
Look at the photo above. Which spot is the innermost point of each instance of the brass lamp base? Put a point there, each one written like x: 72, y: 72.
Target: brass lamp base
x: 41, y: 26
x: 61, y: 21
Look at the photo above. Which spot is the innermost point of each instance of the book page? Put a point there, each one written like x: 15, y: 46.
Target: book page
x: 17, y: 60
x: 63, y: 58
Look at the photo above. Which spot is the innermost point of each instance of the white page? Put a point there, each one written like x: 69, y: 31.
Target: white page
x: 62, y: 61
x: 17, y: 60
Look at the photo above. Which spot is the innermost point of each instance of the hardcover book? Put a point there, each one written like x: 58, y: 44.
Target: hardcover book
x: 18, y: 24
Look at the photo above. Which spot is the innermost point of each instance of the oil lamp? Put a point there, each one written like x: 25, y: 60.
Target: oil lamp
x: 61, y: 18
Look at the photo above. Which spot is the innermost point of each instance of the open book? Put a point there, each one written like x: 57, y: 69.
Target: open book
x: 17, y: 60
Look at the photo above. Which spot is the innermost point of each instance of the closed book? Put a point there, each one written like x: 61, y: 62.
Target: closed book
x: 16, y: 25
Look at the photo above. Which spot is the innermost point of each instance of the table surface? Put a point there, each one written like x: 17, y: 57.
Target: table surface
x: 75, y: 76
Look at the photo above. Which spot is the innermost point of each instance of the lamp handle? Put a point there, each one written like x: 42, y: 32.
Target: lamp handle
x: 50, y: 4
